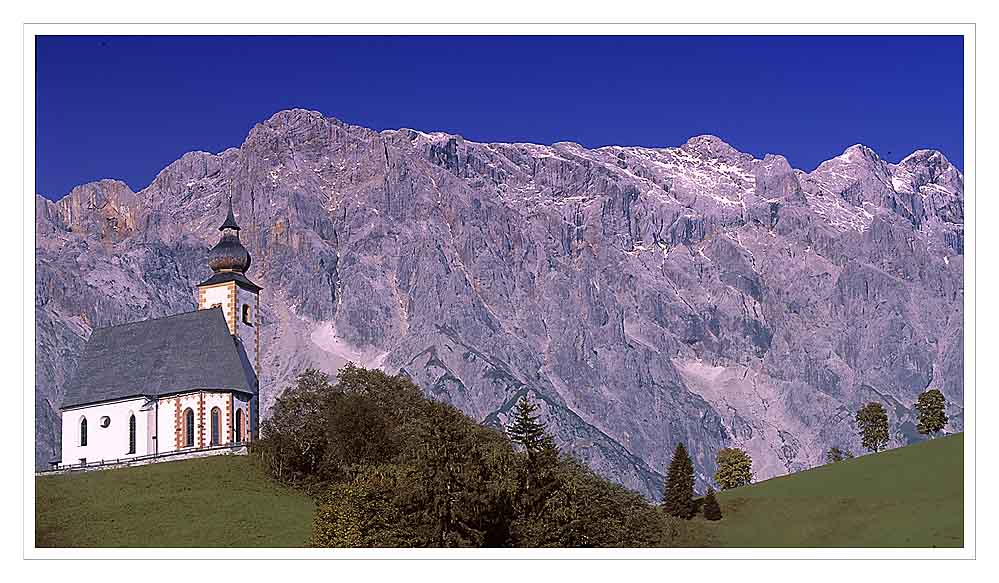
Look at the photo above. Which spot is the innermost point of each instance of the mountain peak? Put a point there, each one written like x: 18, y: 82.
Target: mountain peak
x: 858, y: 153
x: 926, y: 157
x: 711, y: 145
x: 293, y: 114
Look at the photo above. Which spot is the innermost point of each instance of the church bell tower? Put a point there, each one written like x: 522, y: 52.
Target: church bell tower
x: 229, y: 289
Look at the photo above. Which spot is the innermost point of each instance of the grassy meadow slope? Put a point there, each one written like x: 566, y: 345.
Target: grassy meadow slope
x: 906, y: 497
x: 211, y: 502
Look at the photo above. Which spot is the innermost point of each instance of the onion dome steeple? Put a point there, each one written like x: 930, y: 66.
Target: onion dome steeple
x: 230, y: 219
x: 229, y: 254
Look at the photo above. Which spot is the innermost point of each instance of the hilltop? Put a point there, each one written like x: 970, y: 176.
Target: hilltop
x: 907, y: 497
x: 222, y: 501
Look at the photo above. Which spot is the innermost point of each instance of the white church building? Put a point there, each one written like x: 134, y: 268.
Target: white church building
x: 187, y: 382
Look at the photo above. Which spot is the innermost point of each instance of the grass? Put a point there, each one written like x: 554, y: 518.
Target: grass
x: 907, y: 497
x: 222, y: 501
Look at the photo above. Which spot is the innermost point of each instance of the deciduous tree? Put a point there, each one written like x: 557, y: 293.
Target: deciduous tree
x: 932, y: 412
x: 872, y: 424
x: 735, y: 468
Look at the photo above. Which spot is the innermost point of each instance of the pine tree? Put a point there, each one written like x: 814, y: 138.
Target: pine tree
x: 712, y: 511
x: 526, y: 429
x: 678, y: 499
x: 538, y: 477
x: 932, y: 415
x: 872, y: 422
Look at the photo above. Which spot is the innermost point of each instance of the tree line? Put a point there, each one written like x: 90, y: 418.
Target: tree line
x: 389, y: 467
x: 873, y: 427
x: 734, y: 465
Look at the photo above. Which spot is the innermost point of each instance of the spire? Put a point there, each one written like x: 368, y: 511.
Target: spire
x: 229, y: 255
x: 230, y: 219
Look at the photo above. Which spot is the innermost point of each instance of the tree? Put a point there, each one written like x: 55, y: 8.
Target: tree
x: 872, y: 424
x: 678, y: 499
x: 525, y: 429
x: 589, y: 511
x: 735, y: 468
x: 293, y: 439
x: 538, y: 476
x: 364, y: 512
x: 712, y: 511
x: 389, y: 468
x: 932, y: 415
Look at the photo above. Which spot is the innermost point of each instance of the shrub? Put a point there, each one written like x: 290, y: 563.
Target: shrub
x: 364, y: 512
x: 712, y: 511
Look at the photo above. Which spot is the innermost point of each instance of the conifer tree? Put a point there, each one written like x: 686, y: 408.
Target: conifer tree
x: 525, y: 428
x: 932, y: 415
x: 538, y: 479
x: 712, y: 511
x: 678, y: 498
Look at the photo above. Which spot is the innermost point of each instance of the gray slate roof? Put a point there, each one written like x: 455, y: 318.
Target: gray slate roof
x: 160, y: 357
x: 225, y: 276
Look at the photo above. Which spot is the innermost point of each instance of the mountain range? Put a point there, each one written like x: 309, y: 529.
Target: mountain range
x: 642, y: 296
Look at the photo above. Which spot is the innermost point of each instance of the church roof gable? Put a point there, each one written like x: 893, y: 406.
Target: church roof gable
x: 159, y: 357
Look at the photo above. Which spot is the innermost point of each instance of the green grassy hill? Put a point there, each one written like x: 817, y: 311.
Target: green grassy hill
x: 907, y: 497
x: 211, y: 502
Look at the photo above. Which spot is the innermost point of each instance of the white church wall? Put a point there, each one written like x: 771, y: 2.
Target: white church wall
x: 222, y: 402
x: 220, y: 295
x: 248, y: 333
x: 241, y: 402
x: 171, y: 419
x: 104, y: 443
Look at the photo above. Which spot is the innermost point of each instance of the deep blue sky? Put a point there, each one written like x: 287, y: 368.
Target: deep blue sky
x: 125, y: 107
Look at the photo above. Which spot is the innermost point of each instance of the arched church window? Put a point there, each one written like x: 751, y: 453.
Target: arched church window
x: 247, y: 319
x: 131, y: 434
x: 216, y: 413
x: 83, y: 432
x: 189, y: 427
x: 239, y: 425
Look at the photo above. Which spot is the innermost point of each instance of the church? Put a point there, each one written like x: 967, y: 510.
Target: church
x: 187, y: 382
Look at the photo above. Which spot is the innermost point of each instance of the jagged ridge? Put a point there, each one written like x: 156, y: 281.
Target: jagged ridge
x: 645, y: 295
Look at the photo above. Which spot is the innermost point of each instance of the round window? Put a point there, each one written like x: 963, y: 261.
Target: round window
x: 105, y: 421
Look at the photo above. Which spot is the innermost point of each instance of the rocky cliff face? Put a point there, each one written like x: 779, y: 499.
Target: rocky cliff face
x: 645, y: 296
